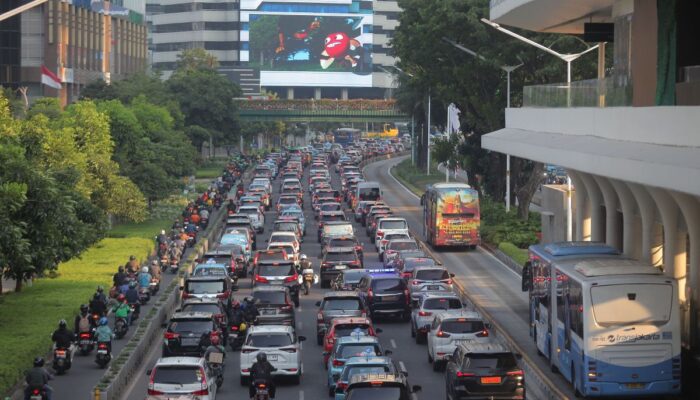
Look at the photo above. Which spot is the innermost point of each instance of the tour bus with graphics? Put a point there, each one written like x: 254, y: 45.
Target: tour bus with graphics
x: 609, y: 325
x: 451, y: 215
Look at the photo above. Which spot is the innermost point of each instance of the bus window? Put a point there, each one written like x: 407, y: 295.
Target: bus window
x: 576, y: 308
x: 369, y: 194
x: 632, y: 304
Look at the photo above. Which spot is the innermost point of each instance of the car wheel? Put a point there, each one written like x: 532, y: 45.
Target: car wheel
x: 430, y: 358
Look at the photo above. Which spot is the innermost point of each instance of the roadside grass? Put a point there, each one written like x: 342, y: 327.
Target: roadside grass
x: 517, y: 254
x: 28, y: 318
x: 415, y: 178
x: 210, y: 169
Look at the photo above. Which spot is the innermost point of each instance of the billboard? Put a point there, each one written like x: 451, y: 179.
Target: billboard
x: 311, y: 50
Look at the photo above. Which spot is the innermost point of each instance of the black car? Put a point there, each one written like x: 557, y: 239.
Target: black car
x: 278, y: 273
x: 188, y: 333
x: 274, y: 305
x: 379, y: 387
x: 385, y: 293
x: 483, y: 370
x: 348, y: 279
x: 335, y: 260
x: 208, y: 305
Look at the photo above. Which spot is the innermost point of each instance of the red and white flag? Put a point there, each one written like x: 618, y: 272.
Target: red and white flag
x: 50, y: 79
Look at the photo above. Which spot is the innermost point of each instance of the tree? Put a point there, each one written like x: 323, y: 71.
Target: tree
x: 264, y: 39
x: 196, y: 59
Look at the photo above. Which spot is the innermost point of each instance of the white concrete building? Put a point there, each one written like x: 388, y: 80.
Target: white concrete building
x: 630, y: 141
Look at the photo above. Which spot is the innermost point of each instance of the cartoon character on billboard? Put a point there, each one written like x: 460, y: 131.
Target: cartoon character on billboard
x: 339, y: 46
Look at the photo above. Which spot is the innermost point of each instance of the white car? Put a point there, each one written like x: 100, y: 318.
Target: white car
x: 289, y: 248
x: 389, y: 225
x: 281, y: 346
x: 257, y: 218
x: 263, y: 181
x: 175, y: 377
x: 286, y: 237
x: 381, y: 244
x: 429, y: 279
x: 447, y: 328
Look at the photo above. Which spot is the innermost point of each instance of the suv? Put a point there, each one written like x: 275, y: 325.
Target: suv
x: 394, y: 246
x: 426, y: 307
x: 278, y: 273
x: 212, y: 306
x: 182, y: 377
x: 379, y: 386
x: 335, y: 260
x: 344, y: 241
x: 335, y: 229
x: 489, y: 370
x: 385, y: 294
x: 390, y: 225
x: 330, y: 216
x: 219, y: 287
x: 274, y: 305
x: 450, y: 326
x: 282, y: 347
x: 429, y: 279
x: 231, y: 255
x: 406, y: 263
x: 184, y: 333
x: 348, y: 279
x: 337, y: 304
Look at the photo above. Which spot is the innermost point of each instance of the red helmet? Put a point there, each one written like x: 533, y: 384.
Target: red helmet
x: 121, y: 297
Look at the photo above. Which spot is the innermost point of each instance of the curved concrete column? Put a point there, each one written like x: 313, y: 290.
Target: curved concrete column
x: 651, y: 248
x: 612, y: 226
x: 628, y: 206
x: 690, y: 208
x: 595, y: 200
x: 583, y: 207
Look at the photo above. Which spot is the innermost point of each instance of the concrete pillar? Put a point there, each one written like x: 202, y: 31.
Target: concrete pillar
x: 317, y: 93
x: 290, y: 93
x: 652, y: 244
x: 629, y: 231
x: 344, y: 93
x: 613, y: 235
x: 674, y: 240
x: 583, y: 208
x: 596, y: 199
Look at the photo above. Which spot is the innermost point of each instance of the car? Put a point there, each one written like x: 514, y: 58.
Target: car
x: 344, y: 326
x: 337, y: 304
x: 408, y: 253
x: 429, y: 279
x: 337, y: 259
x: 242, y: 221
x: 372, y: 218
x: 278, y: 273
x: 344, y: 241
x: 447, y: 328
x: 175, y: 377
x: 264, y: 193
x: 394, y: 246
x: 219, y: 287
x: 289, y: 248
x: 296, y: 214
x: 288, y: 224
x: 406, y: 263
x: 328, y: 206
x: 354, y: 345
x: 287, y: 200
x: 277, y: 254
x: 281, y: 345
x: 385, y: 293
x: 390, y: 225
x: 381, y: 243
x: 208, y: 305
x: 426, y: 307
x: 184, y: 333
x: 286, y: 237
x: 363, y: 365
x: 332, y: 229
x: 379, y: 386
x: 347, y: 280
x: 257, y: 218
x: 275, y: 305
x: 484, y: 370
x: 360, y: 209
x: 240, y: 238
x: 233, y: 256
x: 211, y: 268
x: 331, y: 216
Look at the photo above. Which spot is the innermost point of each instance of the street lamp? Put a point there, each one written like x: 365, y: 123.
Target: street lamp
x: 508, y: 69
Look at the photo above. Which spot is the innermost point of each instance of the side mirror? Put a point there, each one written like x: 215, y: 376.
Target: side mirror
x: 416, y: 388
x: 148, y: 372
x: 378, y: 330
x: 404, y: 373
x: 487, y: 325
x: 301, y: 338
x: 388, y: 352
x: 318, y: 304
x: 526, y: 283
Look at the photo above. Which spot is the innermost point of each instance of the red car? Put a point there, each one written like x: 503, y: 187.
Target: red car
x: 344, y: 327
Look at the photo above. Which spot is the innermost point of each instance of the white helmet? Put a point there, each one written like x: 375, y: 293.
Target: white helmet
x: 303, y: 256
x: 144, y: 269
x: 162, y: 231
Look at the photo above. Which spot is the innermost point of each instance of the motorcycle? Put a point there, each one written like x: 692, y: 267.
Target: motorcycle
x: 121, y: 326
x: 237, y: 335
x: 61, y: 360
x: 262, y: 392
x: 144, y: 294
x: 154, y: 286
x: 103, y: 354
x: 164, y: 262
x: 85, y: 342
x: 174, y: 266
x: 37, y: 393
x: 215, y: 363
x: 191, y: 239
x: 307, y: 278
x: 135, y: 311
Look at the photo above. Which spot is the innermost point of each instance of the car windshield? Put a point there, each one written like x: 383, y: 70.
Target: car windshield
x: 209, y: 308
x: 288, y: 248
x: 269, y: 340
x: 332, y: 217
x: 275, y: 270
x: 346, y: 329
x: 359, y: 350
x: 249, y: 210
x: 344, y: 256
x: 392, y: 225
x: 403, y: 245
x: 286, y: 226
x: 442, y: 304
x: 270, y: 256
x: 177, y: 375
x: 432, y: 274
x: 394, y: 236
x: 341, y: 243
x: 205, y: 287
x: 388, y: 285
x: 352, y: 370
x: 413, y: 263
x: 352, y: 276
x: 338, y: 229
x: 270, y: 297
x: 288, y: 200
x: 283, y: 238
x: 375, y: 393
x: 341, y: 304
x: 209, y: 271
x: 190, y: 326
x: 461, y: 326
x: 330, y: 207
x: 217, y: 259
x: 369, y: 193
x: 491, y: 361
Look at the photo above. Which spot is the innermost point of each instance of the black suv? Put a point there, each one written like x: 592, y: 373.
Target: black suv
x: 278, y: 273
x: 218, y: 286
x: 382, y: 386
x: 337, y: 304
x: 208, y: 305
x: 274, y: 305
x: 483, y: 370
x: 186, y: 333
x: 335, y: 260
x: 385, y: 293
x: 344, y: 241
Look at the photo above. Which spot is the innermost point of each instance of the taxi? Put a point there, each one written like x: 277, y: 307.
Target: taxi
x: 344, y: 326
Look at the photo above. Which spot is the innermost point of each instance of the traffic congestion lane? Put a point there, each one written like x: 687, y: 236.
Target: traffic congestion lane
x: 489, y: 282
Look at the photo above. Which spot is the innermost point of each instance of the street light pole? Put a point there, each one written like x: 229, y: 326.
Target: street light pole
x: 428, y: 163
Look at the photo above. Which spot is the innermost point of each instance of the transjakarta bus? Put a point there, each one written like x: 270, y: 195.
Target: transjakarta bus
x: 346, y: 136
x: 451, y: 215
x: 612, y: 326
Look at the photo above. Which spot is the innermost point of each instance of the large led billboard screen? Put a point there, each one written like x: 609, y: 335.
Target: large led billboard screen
x: 311, y: 50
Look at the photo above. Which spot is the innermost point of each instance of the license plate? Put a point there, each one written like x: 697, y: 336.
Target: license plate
x: 490, y: 380
x: 390, y: 298
x: 635, y: 385
x: 101, y: 351
x: 190, y: 342
x: 341, y: 266
x: 433, y: 287
x: 272, y: 357
x: 61, y: 355
x: 268, y: 312
x: 85, y: 342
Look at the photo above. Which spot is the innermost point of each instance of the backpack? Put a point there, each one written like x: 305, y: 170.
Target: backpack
x: 84, y: 324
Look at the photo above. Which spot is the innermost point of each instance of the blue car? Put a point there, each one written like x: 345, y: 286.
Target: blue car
x: 239, y: 239
x: 210, y: 268
x: 357, y: 344
x: 363, y: 366
x: 296, y: 213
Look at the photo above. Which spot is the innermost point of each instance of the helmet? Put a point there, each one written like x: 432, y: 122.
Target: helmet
x: 162, y: 231
x: 154, y: 262
x: 215, y: 340
x: 62, y: 324
x: 144, y: 269
x: 132, y: 284
x: 38, y: 362
x: 121, y: 298
x: 132, y: 258
x: 235, y: 304
x: 103, y: 321
x: 100, y: 289
x: 248, y: 299
x: 303, y: 256
x: 83, y: 308
x: 261, y: 357
x: 121, y: 268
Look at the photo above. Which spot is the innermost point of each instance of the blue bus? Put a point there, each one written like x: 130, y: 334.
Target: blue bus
x: 609, y: 325
x: 346, y: 136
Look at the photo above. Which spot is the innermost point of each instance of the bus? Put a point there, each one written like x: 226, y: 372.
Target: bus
x: 346, y: 136
x: 612, y: 325
x: 451, y: 215
x: 369, y: 191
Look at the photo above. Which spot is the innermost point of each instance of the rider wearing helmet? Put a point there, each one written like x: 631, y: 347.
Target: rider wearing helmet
x: 83, y: 322
x: 215, y: 347
x: 261, y: 372
x: 155, y: 269
x: 250, y: 310
x: 144, y: 277
x: 103, y: 333
x: 133, y: 265
x: 304, y: 263
x: 121, y: 309
x: 98, y: 303
x: 120, y: 277
x: 38, y: 378
x: 63, y: 338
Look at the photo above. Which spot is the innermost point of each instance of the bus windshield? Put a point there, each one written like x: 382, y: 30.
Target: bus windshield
x: 626, y: 304
x: 369, y: 194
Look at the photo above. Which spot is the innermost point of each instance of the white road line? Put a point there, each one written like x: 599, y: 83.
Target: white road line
x: 393, y: 343
x: 403, y: 366
x: 300, y: 325
x: 388, y: 170
x: 301, y: 395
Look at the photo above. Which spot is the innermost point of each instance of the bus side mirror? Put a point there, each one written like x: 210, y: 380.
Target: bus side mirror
x: 526, y: 283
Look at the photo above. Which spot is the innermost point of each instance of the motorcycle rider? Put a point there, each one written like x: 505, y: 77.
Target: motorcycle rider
x: 98, y: 304
x: 204, y: 214
x: 215, y: 347
x: 63, y: 338
x: 250, y: 310
x: 155, y: 270
x: 132, y: 298
x: 121, y: 309
x: 262, y: 371
x: 120, y: 277
x: 104, y: 334
x: 304, y: 263
x: 133, y: 265
x: 145, y: 278
x: 38, y: 377
x: 83, y: 322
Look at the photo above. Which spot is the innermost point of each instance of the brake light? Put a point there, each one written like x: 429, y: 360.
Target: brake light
x: 35, y: 391
x: 151, y: 385
x: 171, y: 335
x: 338, y: 363
x: 424, y: 313
x: 203, y: 392
x: 461, y: 374
x: 261, y: 279
x: 380, y: 234
x: 152, y: 392
x: 234, y: 327
x: 85, y: 335
x: 449, y: 281
x: 186, y: 295
x: 484, y: 333
x: 205, y: 387
x: 414, y: 283
x: 262, y: 385
x: 384, y: 242
x: 341, y: 385
x: 291, y: 278
x: 370, y: 294
x: 442, y: 334
x: 325, y: 265
x: 102, y: 346
x: 515, y: 373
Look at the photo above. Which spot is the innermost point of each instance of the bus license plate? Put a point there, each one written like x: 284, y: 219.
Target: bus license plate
x: 490, y: 380
x: 635, y: 385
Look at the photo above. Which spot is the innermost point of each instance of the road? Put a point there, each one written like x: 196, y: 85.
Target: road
x: 494, y: 285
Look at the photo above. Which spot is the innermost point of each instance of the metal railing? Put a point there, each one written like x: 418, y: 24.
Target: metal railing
x: 608, y: 92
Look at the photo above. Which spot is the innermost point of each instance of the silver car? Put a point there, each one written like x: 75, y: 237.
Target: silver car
x: 181, y: 377
x: 429, y: 279
x: 426, y: 307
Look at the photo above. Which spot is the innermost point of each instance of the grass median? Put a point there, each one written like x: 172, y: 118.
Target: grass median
x: 414, y: 178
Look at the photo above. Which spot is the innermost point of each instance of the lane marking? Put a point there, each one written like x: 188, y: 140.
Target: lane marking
x: 301, y: 395
x: 403, y: 366
x: 300, y: 324
x: 388, y: 170
x: 393, y: 343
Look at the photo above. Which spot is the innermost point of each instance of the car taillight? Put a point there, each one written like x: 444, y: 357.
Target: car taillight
x: 152, y: 392
x: 407, y: 296
x: 234, y: 327
x: 424, y: 313
x: 442, y: 334
x: 35, y: 392
x: 171, y: 335
x: 338, y: 363
x: 414, y: 283
x: 261, y: 279
x: 461, y: 374
x: 289, y: 349
x: 384, y: 242
x: 185, y: 295
x: 484, y: 333
x: 250, y: 350
x: 325, y: 265
x: 292, y: 278
x: 515, y: 373
x: 341, y: 385
x: 151, y: 384
x: 380, y: 234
